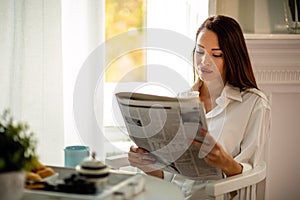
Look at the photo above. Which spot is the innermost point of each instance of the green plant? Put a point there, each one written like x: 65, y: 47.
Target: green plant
x: 17, y: 145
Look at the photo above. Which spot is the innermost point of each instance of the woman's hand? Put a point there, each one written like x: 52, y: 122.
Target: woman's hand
x: 216, y: 156
x: 141, y: 159
x: 197, y: 85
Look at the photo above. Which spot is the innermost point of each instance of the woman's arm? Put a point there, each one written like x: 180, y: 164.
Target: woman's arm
x: 141, y: 159
x: 254, y: 144
x: 214, y: 155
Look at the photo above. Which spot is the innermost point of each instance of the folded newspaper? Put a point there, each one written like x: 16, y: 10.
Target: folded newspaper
x: 165, y: 126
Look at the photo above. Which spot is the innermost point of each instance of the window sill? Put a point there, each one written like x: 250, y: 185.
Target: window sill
x: 117, y: 141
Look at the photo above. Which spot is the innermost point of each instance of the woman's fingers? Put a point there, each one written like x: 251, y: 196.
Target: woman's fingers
x: 141, y: 150
x: 137, y: 149
x: 203, y: 149
x: 206, y: 146
x: 196, y: 143
x: 139, y: 157
x: 211, y: 151
x: 139, y: 163
x: 208, y: 139
x: 134, y: 149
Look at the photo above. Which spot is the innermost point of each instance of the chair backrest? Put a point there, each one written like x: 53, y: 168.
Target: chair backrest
x: 249, y: 185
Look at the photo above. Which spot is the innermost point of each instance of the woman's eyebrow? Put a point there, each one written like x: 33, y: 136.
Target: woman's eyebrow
x: 213, y: 49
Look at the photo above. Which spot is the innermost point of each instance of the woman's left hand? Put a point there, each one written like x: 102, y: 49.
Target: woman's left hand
x: 214, y: 155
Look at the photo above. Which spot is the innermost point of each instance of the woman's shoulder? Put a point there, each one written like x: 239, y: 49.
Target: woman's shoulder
x: 258, y: 95
x: 249, y: 92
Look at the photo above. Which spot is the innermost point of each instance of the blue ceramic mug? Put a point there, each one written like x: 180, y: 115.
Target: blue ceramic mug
x: 74, y: 155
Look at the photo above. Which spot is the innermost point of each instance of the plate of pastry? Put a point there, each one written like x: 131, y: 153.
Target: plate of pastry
x: 39, y: 175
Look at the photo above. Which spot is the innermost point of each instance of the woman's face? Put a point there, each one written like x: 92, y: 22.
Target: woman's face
x: 209, y: 57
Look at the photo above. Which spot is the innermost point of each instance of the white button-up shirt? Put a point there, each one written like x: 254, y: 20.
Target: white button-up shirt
x: 240, y: 123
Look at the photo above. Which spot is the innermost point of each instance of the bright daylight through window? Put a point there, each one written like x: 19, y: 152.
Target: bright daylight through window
x: 131, y: 69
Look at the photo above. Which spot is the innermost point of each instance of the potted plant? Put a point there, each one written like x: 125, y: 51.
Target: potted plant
x: 17, y: 155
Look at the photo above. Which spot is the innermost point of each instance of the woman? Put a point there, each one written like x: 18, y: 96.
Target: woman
x: 237, y: 111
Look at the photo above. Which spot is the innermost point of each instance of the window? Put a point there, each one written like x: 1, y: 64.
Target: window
x: 122, y: 16
x: 149, y: 64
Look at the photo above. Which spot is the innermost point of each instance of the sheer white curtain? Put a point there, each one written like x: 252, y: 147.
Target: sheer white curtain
x: 43, y: 45
x: 82, y: 35
x: 31, y: 70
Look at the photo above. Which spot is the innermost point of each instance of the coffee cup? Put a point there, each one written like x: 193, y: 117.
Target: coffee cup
x: 74, y: 155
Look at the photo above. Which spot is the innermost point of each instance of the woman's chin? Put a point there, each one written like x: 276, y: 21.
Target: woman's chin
x: 210, y: 77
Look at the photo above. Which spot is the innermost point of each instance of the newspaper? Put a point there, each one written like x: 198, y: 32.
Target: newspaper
x: 165, y: 126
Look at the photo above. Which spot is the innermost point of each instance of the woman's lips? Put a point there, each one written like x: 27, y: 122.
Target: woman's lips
x: 206, y: 71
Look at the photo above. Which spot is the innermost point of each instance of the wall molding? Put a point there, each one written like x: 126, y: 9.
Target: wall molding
x: 275, y: 61
x: 278, y: 76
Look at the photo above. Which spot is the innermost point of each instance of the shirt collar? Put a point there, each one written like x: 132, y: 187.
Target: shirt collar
x: 232, y: 92
x: 229, y: 93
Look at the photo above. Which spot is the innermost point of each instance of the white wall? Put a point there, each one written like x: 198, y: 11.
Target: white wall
x: 284, y: 177
x: 275, y: 59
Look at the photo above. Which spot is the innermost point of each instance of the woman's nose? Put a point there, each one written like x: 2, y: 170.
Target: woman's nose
x: 205, y: 60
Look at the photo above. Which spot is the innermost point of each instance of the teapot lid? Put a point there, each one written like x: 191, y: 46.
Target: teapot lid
x: 92, y: 162
x: 91, y: 165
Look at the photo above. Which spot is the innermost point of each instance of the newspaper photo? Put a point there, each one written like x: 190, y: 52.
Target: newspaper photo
x: 165, y: 126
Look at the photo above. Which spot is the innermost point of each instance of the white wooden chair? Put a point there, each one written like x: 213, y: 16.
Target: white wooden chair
x: 247, y: 186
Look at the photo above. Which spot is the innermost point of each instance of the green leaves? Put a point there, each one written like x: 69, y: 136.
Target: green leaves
x: 17, y: 145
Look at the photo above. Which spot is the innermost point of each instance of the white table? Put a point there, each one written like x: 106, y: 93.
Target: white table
x: 160, y: 190
x: 155, y: 189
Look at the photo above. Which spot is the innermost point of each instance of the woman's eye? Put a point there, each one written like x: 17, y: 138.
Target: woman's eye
x: 217, y: 55
x: 199, y: 52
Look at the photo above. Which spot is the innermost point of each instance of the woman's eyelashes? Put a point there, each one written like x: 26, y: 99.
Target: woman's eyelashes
x: 202, y: 52
x: 217, y: 55
x: 199, y: 52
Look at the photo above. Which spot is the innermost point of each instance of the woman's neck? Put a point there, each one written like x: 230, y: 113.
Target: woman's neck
x: 209, y: 92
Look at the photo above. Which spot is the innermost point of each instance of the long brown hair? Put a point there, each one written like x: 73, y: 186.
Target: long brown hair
x: 239, y: 72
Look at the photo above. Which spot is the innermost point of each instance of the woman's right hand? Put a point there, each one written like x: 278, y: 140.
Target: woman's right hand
x: 143, y: 160
x: 197, y: 85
